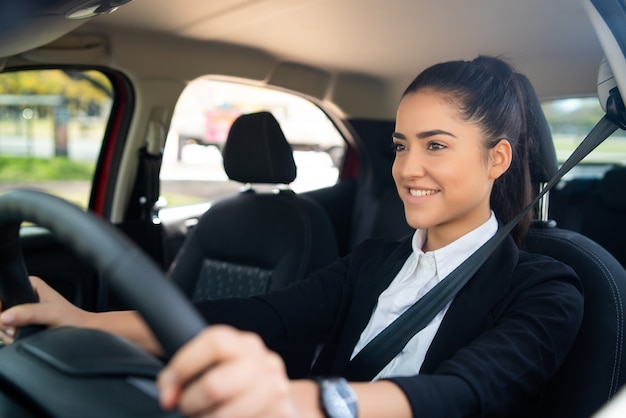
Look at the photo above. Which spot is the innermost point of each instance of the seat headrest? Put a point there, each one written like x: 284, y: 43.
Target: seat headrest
x: 611, y: 187
x: 256, y: 151
x: 542, y: 155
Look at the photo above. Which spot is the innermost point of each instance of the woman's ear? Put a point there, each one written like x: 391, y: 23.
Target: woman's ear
x: 500, y: 158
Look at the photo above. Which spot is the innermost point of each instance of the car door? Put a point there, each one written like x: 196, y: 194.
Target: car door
x: 57, y: 135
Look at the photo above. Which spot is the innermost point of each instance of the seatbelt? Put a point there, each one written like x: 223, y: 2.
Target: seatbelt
x: 141, y: 219
x: 389, y: 342
x: 146, y: 189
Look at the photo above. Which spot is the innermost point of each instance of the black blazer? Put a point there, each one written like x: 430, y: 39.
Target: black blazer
x: 504, y: 336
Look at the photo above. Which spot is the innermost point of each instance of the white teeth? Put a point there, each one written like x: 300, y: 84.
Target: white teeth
x: 420, y: 193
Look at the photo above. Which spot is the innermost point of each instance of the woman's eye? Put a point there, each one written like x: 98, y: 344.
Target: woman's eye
x: 435, y: 146
x: 397, y: 147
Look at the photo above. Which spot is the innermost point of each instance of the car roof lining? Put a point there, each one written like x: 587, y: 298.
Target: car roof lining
x: 337, y: 48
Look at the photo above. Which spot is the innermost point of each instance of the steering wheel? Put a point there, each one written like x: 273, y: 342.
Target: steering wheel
x: 121, y: 263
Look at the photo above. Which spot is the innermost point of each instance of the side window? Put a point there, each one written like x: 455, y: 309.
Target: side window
x: 52, y: 124
x: 192, y: 170
x: 570, y: 121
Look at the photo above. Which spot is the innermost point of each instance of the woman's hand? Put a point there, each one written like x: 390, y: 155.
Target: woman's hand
x: 226, y: 372
x: 51, y: 310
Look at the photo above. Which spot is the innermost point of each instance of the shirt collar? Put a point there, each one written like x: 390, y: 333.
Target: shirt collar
x: 452, y: 255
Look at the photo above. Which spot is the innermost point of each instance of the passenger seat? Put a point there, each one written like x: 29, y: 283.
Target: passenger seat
x: 255, y: 241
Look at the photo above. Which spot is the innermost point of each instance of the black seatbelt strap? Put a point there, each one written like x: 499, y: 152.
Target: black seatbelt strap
x: 141, y: 222
x: 390, y: 341
x: 146, y: 189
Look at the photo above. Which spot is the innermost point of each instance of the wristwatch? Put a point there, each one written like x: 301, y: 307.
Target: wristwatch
x: 337, y: 399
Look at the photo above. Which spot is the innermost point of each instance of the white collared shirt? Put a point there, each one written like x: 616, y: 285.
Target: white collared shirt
x: 420, y: 273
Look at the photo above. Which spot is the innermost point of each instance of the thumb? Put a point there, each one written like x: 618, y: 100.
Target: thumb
x: 28, y: 314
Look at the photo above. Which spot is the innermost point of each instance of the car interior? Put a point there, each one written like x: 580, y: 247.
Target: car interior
x: 153, y: 94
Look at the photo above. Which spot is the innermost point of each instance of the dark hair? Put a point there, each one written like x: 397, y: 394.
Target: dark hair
x: 487, y: 91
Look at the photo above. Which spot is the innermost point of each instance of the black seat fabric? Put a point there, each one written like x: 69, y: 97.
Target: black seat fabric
x: 255, y: 242
x: 604, y: 213
x: 256, y: 151
x: 595, y: 368
x: 378, y: 211
x: 595, y: 207
x: 568, y: 201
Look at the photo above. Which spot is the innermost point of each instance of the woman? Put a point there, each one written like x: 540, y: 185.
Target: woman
x: 460, y: 168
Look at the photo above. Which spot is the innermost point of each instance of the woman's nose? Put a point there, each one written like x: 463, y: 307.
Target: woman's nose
x: 411, y: 164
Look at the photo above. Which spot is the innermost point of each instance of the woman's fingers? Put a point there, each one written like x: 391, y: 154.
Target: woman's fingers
x: 7, y: 335
x: 29, y: 314
x: 227, y: 372
x: 204, y: 351
x: 242, y: 389
x: 51, y: 310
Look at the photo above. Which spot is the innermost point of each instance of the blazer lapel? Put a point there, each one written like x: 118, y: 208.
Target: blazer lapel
x: 364, y: 298
x: 469, y: 310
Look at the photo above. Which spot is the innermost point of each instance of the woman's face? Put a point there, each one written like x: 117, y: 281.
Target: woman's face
x: 442, y: 170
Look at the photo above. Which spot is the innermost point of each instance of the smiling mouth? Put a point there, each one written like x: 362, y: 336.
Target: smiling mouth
x: 420, y: 193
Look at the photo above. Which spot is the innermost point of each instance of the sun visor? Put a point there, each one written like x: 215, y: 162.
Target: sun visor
x: 28, y: 24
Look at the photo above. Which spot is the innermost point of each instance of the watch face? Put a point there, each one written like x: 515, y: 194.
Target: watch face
x: 338, y: 398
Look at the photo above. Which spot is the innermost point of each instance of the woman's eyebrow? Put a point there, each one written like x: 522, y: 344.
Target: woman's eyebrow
x: 424, y: 135
x: 427, y: 134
